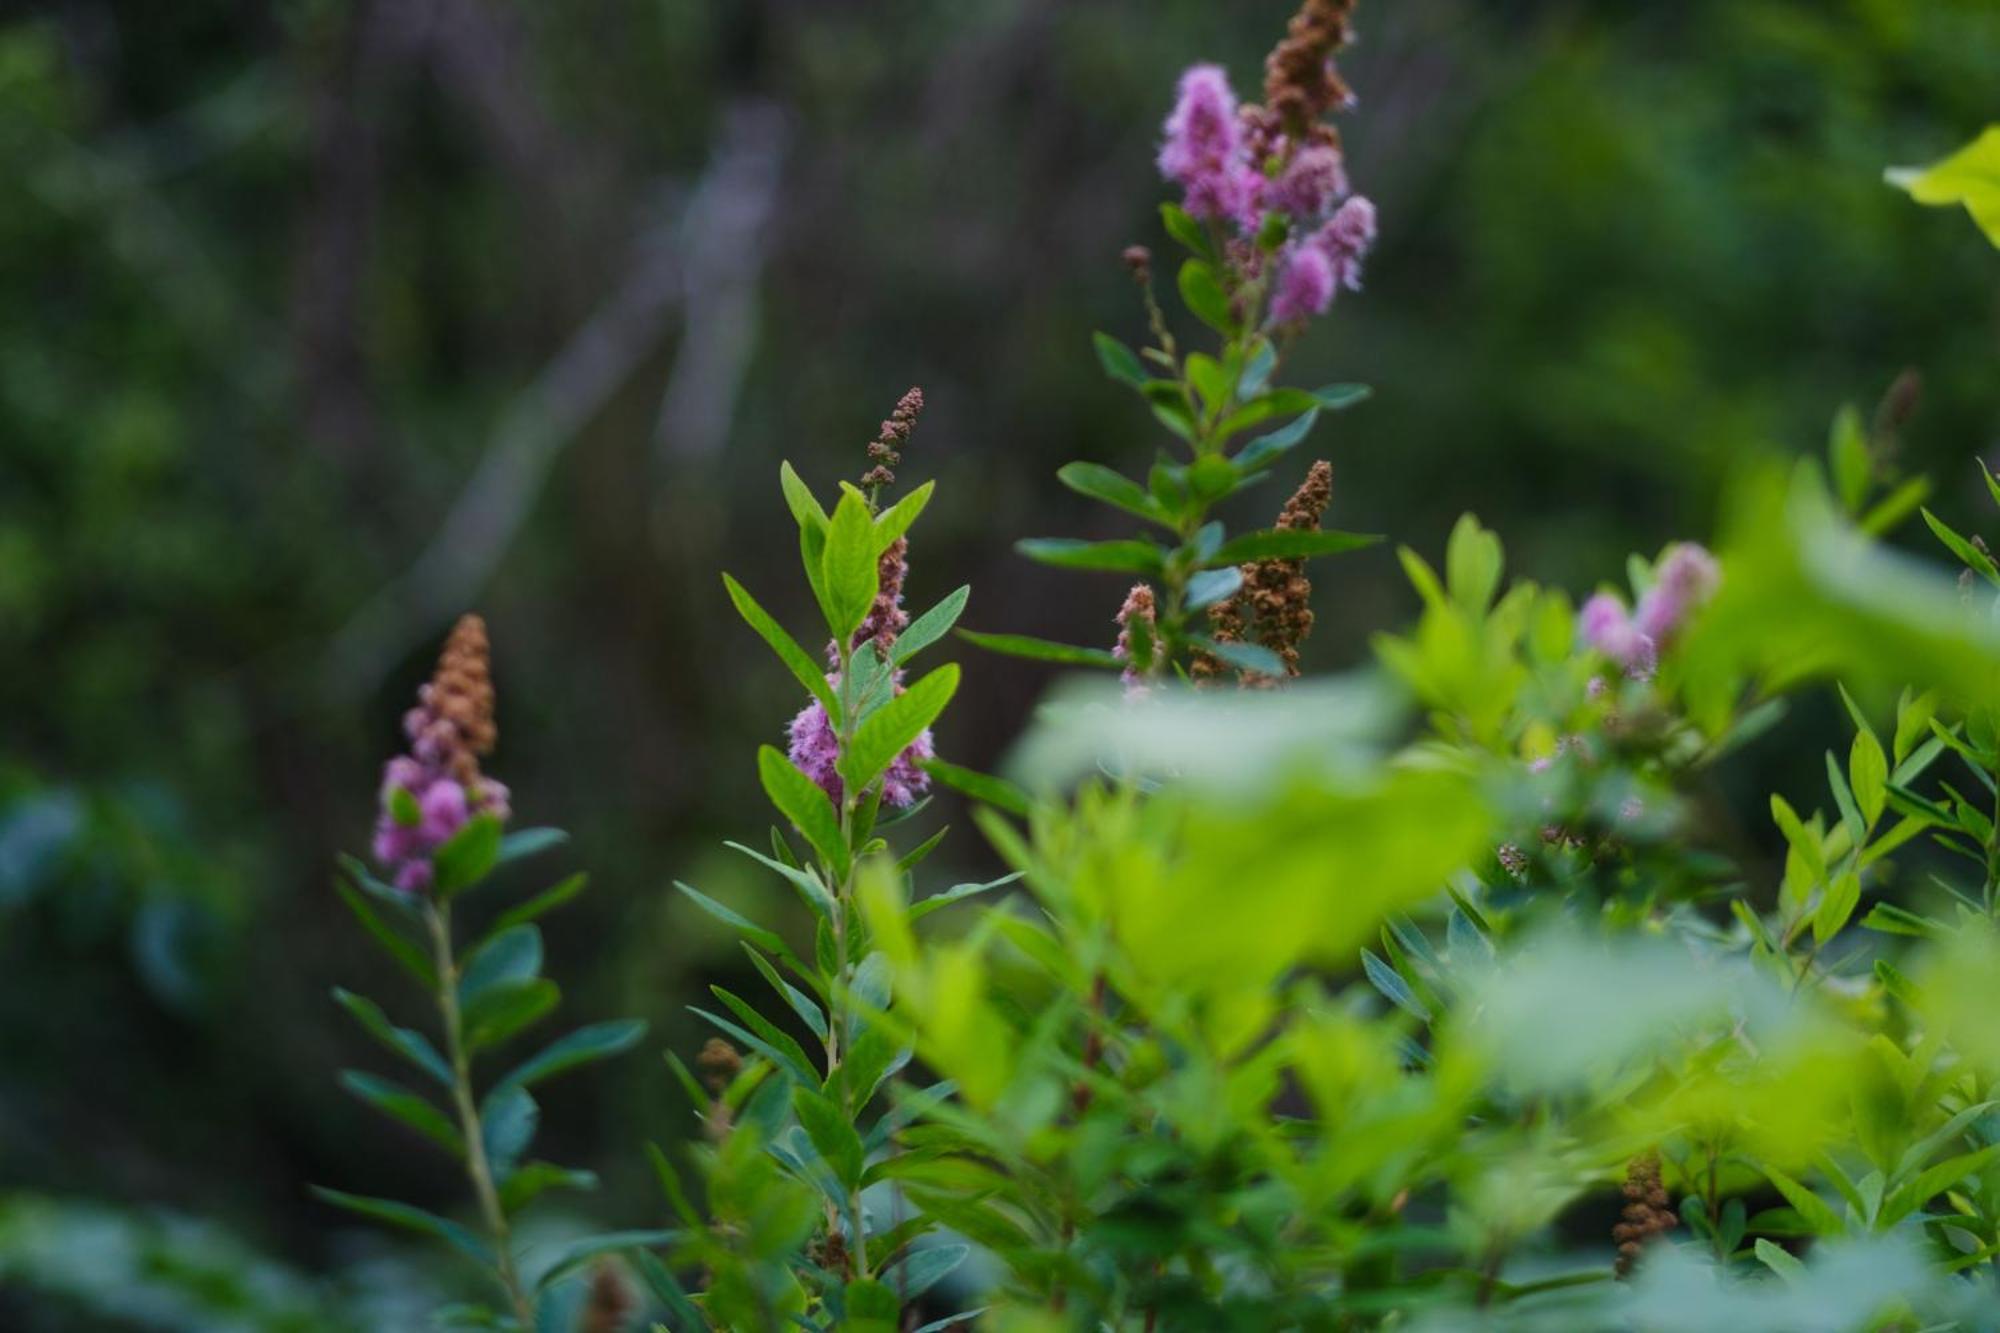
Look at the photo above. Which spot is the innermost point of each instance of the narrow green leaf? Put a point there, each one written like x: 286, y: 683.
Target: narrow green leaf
x: 399, y: 1103
x: 1119, y: 557
x: 1815, y: 1211
x: 1244, y: 656
x: 785, y: 1054
x: 1183, y: 228
x: 1202, y: 292
x: 848, y: 567
x: 507, y: 1120
x: 411, y: 1045
x: 1868, y: 772
x: 1390, y: 982
x: 1118, y: 360
x: 1265, y: 448
x: 468, y: 856
x: 1042, y: 650
x: 801, y: 1003
x: 896, y: 520
x: 1780, y: 1261
x: 533, y: 1178
x: 541, y: 904
x: 580, y: 1252
x: 529, y: 842
x: 1836, y: 906
x: 801, y: 800
x: 504, y: 1010
x: 1112, y: 488
x: 397, y: 944
x: 1967, y: 553
x: 892, y: 727
x: 767, y: 940
x: 803, y: 668
x: 929, y: 627
x: 831, y: 1133
x: 599, y: 1041
x: 510, y: 957
x: 413, y: 1219
x: 956, y: 893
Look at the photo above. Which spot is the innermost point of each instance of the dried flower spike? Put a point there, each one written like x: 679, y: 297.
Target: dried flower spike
x: 1274, y: 605
x: 1647, y: 1214
x: 1138, y: 640
x: 884, y: 450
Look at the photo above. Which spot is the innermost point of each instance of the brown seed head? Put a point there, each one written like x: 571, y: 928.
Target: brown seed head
x: 454, y: 713
x: 1301, y: 84
x: 1274, y: 605
x: 611, y: 1303
x: 1648, y: 1211
x: 890, y: 437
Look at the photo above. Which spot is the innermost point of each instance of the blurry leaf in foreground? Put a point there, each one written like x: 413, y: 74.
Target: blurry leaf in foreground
x: 1971, y: 176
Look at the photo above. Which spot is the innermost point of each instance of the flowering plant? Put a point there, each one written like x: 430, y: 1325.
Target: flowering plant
x: 1423, y: 998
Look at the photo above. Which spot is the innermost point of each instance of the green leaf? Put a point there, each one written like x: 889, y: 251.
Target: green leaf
x: 468, y: 856
x: 1265, y: 448
x: 412, y: 1046
x: 803, y: 668
x: 801, y: 800
x: 541, y: 904
x: 510, y: 957
x: 507, y: 1120
x: 1202, y: 292
x: 1209, y: 379
x: 1245, y: 656
x: 896, y: 520
x: 504, y: 1010
x: 892, y: 727
x: 768, y: 940
x: 1289, y: 544
x: 403, y: 807
x: 532, y: 1179
x: 1213, y: 585
x: 956, y: 893
x: 1868, y: 772
x: 399, y: 1103
x: 848, y: 568
x: 1815, y: 1211
x: 801, y: 1003
x: 1780, y: 1261
x: 414, y: 1219
x: 1042, y: 650
x: 1275, y: 403
x: 529, y: 842
x: 924, y: 1268
x: 1889, y: 919
x: 580, y: 1252
x: 839, y: 1146
x: 1847, y: 457
x: 1971, y: 556
x: 799, y: 499
x: 395, y: 942
x: 1802, y: 839
x: 1339, y: 397
x: 929, y: 627
x: 1112, y: 488
x: 1971, y: 177
x: 1390, y: 982
x: 785, y: 1054
x: 806, y: 882
x: 1183, y: 228
x: 1473, y: 562
x: 599, y: 1041
x: 1838, y: 904
x: 1123, y: 557
x: 996, y: 792
x: 1118, y: 360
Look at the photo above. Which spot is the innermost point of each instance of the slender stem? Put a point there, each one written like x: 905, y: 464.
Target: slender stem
x: 836, y: 1006
x: 477, y: 1167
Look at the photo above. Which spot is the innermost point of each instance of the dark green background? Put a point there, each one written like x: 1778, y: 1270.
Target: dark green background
x: 272, y: 278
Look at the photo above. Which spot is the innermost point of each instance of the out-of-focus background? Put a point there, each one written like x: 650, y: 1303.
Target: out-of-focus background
x: 322, y: 321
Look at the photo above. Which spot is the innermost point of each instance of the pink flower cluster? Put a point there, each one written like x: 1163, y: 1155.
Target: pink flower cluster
x: 815, y: 751
x: 442, y: 805
x: 1687, y: 576
x: 1208, y: 153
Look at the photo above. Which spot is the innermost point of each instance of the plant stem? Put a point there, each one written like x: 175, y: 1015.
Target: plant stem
x: 477, y: 1167
x: 836, y: 997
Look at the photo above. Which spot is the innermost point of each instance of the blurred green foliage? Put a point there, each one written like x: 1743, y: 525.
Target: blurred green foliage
x: 272, y: 278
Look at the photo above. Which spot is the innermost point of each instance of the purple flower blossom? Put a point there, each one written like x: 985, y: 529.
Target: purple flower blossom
x: 1686, y: 578
x: 1310, y: 185
x: 1204, y: 150
x: 1605, y: 626
x: 1346, y: 238
x: 815, y: 751
x: 1305, y: 284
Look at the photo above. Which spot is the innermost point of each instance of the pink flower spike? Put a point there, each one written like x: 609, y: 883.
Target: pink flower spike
x: 1203, y: 151
x: 1305, y: 285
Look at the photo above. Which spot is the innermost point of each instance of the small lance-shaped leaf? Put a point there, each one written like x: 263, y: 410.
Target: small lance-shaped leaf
x: 801, y: 1003
x: 1202, y: 292
x: 1971, y: 177
x: 504, y: 1010
x: 580, y: 1252
x: 541, y: 904
x: 848, y: 568
x: 507, y: 1120
x: 956, y: 893
x: 831, y: 1133
x: 1390, y: 982
x: 1118, y: 360
x: 1116, y: 557
x: 785, y: 1055
x: 1213, y: 585
x: 768, y: 940
x: 399, y: 1103
x: 801, y: 800
x: 534, y: 1177
x: 415, y: 1219
x: 1245, y: 656
x: 1836, y: 907
x: 1815, y: 1211
x: 1289, y: 544
x: 512, y: 956
x: 1042, y: 650
x: 1267, y: 447
x: 929, y: 627
x: 814, y: 893
x: 411, y: 1045
x: 806, y: 671
x: 896, y: 520
x: 925, y: 1268
x: 1180, y: 225
x: 528, y: 842
x: 1338, y: 397
x: 1276, y: 403
x: 1781, y: 1261
x: 994, y: 791
x: 890, y: 729
x: 599, y: 1041
x: 799, y: 499
x: 399, y: 946
x: 1112, y: 488
x: 1969, y: 555
x: 1868, y: 771
x: 468, y: 856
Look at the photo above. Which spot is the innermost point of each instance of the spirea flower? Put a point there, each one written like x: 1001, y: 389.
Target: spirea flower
x: 1306, y: 285
x: 1204, y: 151
x: 430, y: 793
x: 1346, y: 239
x: 883, y: 450
x: 1686, y: 578
x: 815, y: 751
x: 1137, y: 621
x: 1606, y: 626
x: 1314, y: 181
x: 1273, y: 605
x: 887, y: 618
